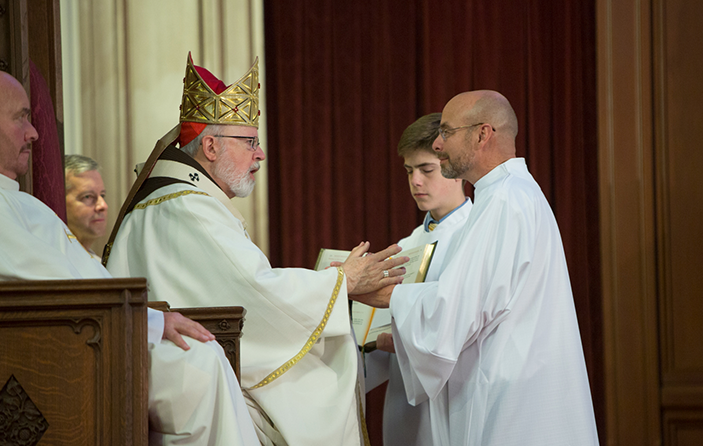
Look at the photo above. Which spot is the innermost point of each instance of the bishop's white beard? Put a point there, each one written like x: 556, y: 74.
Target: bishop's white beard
x: 240, y: 184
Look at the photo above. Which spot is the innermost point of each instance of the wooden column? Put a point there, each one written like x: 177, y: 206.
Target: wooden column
x: 650, y: 114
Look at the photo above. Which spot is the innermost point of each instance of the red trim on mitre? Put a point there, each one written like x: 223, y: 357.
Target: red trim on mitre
x: 190, y: 130
x: 217, y: 85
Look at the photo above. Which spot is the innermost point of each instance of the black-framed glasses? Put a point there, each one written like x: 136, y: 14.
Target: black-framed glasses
x: 253, y: 140
x: 447, y: 132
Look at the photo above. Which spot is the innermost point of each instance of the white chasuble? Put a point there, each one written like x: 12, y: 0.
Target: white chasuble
x: 36, y: 245
x: 298, y: 357
x: 404, y: 424
x: 494, y: 343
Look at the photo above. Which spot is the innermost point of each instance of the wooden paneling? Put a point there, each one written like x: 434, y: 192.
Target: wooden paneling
x: 627, y: 224
x: 679, y: 44
x: 650, y: 133
x: 13, y: 40
x: 77, y: 348
x: 683, y: 428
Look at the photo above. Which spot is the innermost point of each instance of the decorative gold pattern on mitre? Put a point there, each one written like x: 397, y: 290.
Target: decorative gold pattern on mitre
x: 237, y: 105
x: 160, y: 200
x: 311, y: 340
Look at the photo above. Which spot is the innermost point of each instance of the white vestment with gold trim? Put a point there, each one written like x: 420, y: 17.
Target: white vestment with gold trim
x: 298, y: 357
x: 193, y: 395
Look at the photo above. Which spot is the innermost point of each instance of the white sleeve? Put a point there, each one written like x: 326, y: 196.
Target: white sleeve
x: 377, y: 366
x: 156, y: 326
x: 420, y: 368
x: 434, y: 322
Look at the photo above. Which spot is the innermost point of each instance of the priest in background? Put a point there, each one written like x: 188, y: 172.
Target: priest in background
x: 494, y: 344
x: 86, y: 208
x: 36, y: 245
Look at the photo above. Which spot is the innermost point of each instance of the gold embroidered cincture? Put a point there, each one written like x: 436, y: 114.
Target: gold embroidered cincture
x: 362, y: 417
x: 160, y: 200
x: 311, y: 340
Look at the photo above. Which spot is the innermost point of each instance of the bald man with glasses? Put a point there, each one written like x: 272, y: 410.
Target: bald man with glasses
x: 493, y: 344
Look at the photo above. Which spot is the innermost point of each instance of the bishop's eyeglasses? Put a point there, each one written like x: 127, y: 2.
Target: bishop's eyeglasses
x: 253, y: 140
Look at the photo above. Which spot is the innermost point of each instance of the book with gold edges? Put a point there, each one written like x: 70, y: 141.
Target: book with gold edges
x: 366, y: 329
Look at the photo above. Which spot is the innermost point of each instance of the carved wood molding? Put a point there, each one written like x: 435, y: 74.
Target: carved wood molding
x: 21, y: 422
x: 93, y: 389
x: 75, y: 324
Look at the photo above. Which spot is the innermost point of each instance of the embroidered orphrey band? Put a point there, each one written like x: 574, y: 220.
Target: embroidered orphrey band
x: 160, y: 200
x: 311, y: 340
x: 70, y: 235
x: 362, y: 417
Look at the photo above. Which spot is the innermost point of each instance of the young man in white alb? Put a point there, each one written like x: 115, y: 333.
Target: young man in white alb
x: 447, y: 210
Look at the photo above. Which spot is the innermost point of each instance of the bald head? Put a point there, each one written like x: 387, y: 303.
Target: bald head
x: 487, y: 106
x: 489, y: 127
x: 16, y: 132
x: 6, y: 80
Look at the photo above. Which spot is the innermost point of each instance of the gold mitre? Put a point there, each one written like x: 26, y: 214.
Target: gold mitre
x: 238, y: 104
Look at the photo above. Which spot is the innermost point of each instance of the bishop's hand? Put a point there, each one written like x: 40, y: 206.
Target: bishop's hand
x: 367, y: 272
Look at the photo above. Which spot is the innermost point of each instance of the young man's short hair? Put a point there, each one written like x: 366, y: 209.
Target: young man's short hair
x: 420, y: 135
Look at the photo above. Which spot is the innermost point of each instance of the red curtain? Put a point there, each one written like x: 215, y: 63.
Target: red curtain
x: 47, y: 162
x: 344, y: 79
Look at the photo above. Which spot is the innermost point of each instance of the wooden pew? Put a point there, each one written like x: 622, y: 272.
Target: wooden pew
x: 77, y: 350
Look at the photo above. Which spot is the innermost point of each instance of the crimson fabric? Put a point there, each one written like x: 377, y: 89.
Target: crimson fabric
x: 47, y: 158
x: 189, y: 131
x: 213, y: 82
x: 344, y: 79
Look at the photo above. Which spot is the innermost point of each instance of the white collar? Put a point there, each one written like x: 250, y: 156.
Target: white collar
x: 8, y: 184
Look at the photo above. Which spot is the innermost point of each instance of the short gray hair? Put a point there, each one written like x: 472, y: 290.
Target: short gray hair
x: 78, y: 164
x: 192, y: 147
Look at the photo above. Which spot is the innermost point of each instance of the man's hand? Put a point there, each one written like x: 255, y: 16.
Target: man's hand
x: 384, y: 342
x: 175, y: 325
x: 368, y: 273
x: 379, y: 298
